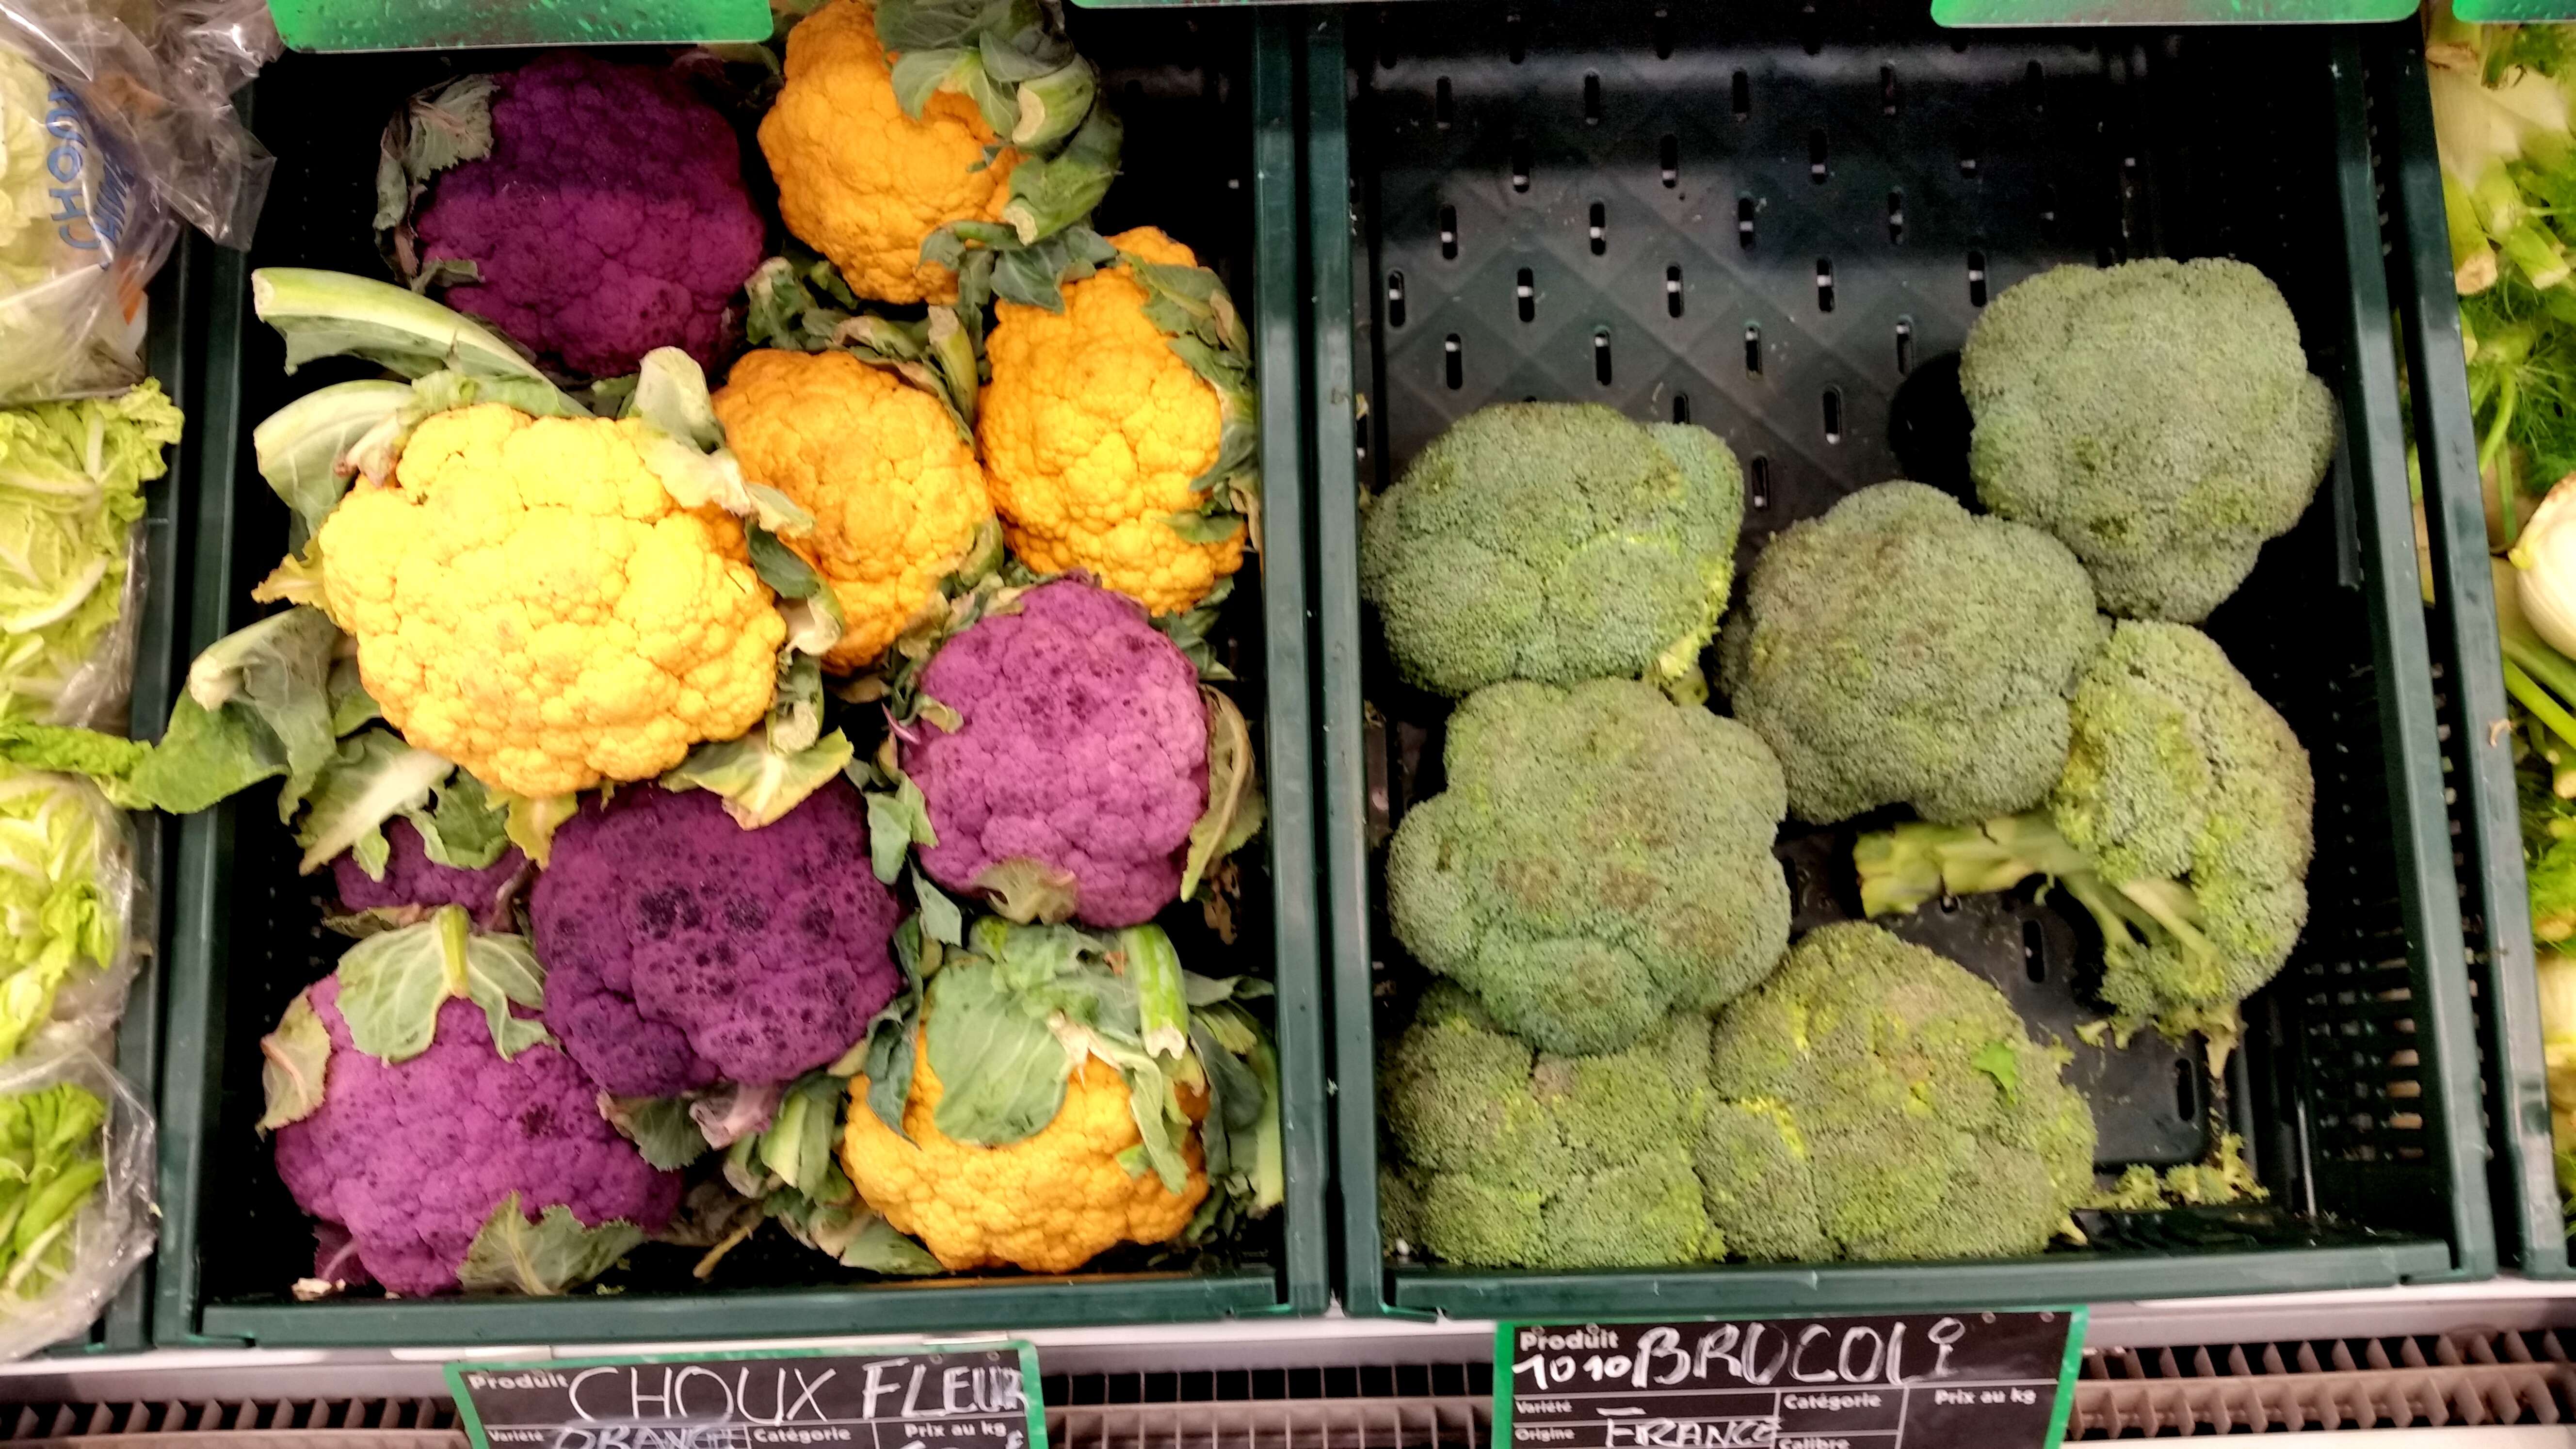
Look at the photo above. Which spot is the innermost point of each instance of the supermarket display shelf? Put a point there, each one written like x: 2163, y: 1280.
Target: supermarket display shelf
x: 2497, y: 1305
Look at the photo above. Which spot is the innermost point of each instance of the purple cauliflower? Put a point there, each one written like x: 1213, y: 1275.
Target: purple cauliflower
x: 413, y: 879
x: 609, y: 218
x: 410, y: 1158
x: 681, y: 949
x: 1081, y: 747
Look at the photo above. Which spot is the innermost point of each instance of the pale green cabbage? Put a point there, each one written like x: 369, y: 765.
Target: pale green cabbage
x: 71, y: 487
x: 63, y: 877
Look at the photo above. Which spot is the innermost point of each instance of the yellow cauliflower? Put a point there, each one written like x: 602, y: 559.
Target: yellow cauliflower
x: 1093, y: 430
x: 861, y: 182
x: 897, y: 496
x: 1048, y: 1203
x: 529, y: 602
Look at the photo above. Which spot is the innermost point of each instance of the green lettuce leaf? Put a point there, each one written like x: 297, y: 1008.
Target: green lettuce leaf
x: 56, y: 835
x: 51, y: 1161
x: 71, y: 487
x: 513, y: 1255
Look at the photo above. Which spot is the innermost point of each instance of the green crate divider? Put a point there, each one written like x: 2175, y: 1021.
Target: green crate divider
x: 2418, y: 1181
x: 226, y: 868
x: 2469, y: 677
x: 125, y: 1325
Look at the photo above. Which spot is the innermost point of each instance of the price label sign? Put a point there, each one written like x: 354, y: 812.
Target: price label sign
x: 979, y: 1397
x: 466, y: 24
x: 1904, y: 1381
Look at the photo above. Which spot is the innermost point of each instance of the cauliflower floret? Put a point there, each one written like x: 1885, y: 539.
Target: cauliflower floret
x: 861, y: 182
x: 1093, y: 430
x: 609, y: 218
x: 411, y: 1157
x: 681, y: 948
x: 530, y: 603
x: 1082, y: 746
x: 897, y: 495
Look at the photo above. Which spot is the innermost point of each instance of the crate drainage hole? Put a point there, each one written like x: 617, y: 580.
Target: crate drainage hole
x: 1514, y: 39
x: 1904, y: 345
x: 1663, y: 32
x: 1833, y: 415
x: 1896, y: 216
x: 1744, y: 209
x: 2186, y: 1089
x: 1887, y: 90
x: 1395, y: 299
x: 1816, y: 168
x: 1601, y: 356
x: 1753, y: 349
x: 1681, y: 407
x: 1600, y: 228
x: 2034, y: 85
x: 1976, y: 279
x: 1592, y: 98
x: 1757, y: 494
x: 1449, y: 233
x: 2034, y: 958
x: 2048, y: 212
x: 1672, y: 291
x: 1455, y: 363
x: 1526, y: 290
x: 1968, y: 155
x: 1669, y: 151
x: 1520, y: 165
x: 1825, y: 285
x: 1444, y: 105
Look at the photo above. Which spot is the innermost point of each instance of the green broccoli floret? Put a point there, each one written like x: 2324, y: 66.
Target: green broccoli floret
x: 2224, y: 1178
x: 1600, y: 859
x: 1876, y: 1100
x: 1555, y: 542
x: 2157, y: 416
x: 1512, y: 1158
x: 2184, y: 823
x: 1900, y: 650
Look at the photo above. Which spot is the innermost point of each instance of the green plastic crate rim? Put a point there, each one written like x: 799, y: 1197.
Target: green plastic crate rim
x: 2479, y: 755
x: 2455, y: 1240
x: 205, y: 891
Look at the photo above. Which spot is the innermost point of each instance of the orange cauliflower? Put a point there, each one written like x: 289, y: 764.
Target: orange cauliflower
x: 530, y: 602
x: 1094, y: 430
x: 1048, y: 1203
x: 897, y: 496
x: 861, y: 182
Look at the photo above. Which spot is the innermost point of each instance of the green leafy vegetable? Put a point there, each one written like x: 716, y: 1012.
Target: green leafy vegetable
x: 294, y: 1061
x: 392, y: 985
x: 541, y: 1259
x: 57, y: 841
x: 50, y: 1163
x: 71, y: 487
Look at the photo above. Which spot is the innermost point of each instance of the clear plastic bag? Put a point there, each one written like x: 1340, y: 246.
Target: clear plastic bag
x: 111, y: 137
x: 67, y: 882
x: 76, y: 1165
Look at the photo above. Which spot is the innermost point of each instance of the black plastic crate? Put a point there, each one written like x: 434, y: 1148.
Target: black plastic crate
x: 1208, y: 157
x: 1775, y: 225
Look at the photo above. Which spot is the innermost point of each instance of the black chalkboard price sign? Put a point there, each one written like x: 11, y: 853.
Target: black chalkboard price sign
x: 1966, y: 1380
x: 964, y: 1397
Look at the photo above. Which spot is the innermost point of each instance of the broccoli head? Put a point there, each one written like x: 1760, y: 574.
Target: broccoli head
x: 1514, y: 1158
x: 1555, y: 542
x: 608, y: 217
x: 1874, y: 1099
x: 412, y: 1157
x: 682, y: 949
x: 1600, y: 858
x: 2184, y: 823
x: 1079, y: 756
x: 1901, y: 650
x: 2157, y: 416
x: 412, y: 879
